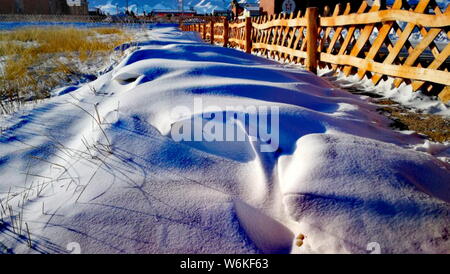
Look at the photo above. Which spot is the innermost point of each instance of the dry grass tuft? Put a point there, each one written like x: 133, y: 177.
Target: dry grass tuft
x: 33, y: 63
x: 108, y: 31
x: 435, y: 127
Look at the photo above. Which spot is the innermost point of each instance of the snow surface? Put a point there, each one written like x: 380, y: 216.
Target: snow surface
x: 403, y: 94
x: 340, y: 176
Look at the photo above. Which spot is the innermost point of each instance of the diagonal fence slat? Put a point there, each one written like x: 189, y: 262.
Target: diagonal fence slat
x: 372, y: 42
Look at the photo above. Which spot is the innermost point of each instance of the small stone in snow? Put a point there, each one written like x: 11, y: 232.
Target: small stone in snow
x: 300, y: 236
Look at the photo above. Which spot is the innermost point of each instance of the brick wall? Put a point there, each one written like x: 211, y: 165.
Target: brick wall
x: 6, y: 6
x: 36, y: 6
x: 42, y: 7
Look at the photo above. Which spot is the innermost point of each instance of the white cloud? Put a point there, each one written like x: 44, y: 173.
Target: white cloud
x: 108, y: 8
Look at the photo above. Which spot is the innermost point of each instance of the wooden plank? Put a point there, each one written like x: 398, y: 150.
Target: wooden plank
x: 312, y: 17
x: 211, y: 32
x: 337, y: 32
x: 444, y: 95
x: 423, y: 74
x: 274, y: 37
x: 445, y: 53
x: 296, y: 53
x: 423, y: 31
x: 225, y: 32
x: 299, y: 38
x: 401, y: 40
x: 237, y: 25
x: 267, y: 33
x: 204, y: 31
x: 279, y: 31
x: 237, y: 41
x: 380, y: 39
x: 349, y: 35
x: 413, y: 56
x: 294, y: 22
x: 416, y: 18
x: 291, y: 43
x: 286, y: 32
x: 327, y: 32
x: 248, y: 35
x: 362, y: 39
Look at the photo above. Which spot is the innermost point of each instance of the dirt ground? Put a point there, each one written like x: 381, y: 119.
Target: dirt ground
x: 434, y: 127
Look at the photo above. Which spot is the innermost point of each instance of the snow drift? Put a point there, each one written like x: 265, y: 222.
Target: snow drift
x: 98, y: 166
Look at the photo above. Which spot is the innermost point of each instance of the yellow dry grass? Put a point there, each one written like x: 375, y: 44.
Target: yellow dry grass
x: 108, y: 30
x: 26, y: 49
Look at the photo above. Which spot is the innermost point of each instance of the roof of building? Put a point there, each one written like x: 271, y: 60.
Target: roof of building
x: 173, y: 11
x: 251, y: 8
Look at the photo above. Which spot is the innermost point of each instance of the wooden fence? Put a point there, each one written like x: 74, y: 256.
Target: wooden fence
x: 405, y: 43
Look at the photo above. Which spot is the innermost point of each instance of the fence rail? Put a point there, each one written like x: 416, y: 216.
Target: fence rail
x: 409, y: 44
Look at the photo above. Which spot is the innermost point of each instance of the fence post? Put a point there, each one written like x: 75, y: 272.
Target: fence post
x: 204, y: 31
x: 312, y: 28
x: 248, y: 34
x: 211, y: 32
x: 225, y: 32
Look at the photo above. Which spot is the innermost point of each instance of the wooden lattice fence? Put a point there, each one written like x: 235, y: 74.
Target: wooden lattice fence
x: 409, y: 44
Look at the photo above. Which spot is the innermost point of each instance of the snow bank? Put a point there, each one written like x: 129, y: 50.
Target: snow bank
x: 347, y: 192
x: 403, y: 94
x: 100, y: 166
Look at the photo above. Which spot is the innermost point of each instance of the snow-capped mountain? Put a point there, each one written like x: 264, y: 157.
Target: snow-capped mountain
x: 201, y: 6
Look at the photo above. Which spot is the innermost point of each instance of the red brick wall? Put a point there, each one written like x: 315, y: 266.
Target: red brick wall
x: 6, y: 6
x: 36, y: 6
x: 41, y: 7
x: 269, y: 6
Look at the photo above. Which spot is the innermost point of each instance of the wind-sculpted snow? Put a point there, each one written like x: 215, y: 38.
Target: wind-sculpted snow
x: 118, y: 165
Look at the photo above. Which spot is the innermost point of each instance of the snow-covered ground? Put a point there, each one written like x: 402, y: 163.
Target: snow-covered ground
x: 416, y: 101
x: 99, y: 168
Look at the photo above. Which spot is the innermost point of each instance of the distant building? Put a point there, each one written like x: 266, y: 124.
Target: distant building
x: 7, y: 6
x: 224, y: 13
x: 96, y: 12
x: 76, y: 7
x: 72, y: 7
x: 251, y: 10
x: 242, y: 10
x: 172, y: 13
x: 236, y: 9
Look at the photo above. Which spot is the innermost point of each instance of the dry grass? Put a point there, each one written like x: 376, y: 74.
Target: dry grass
x: 51, y: 40
x: 435, y: 127
x: 33, y: 56
x: 108, y: 31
